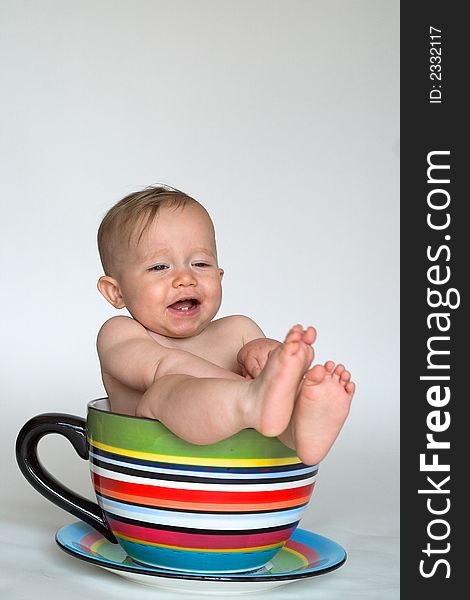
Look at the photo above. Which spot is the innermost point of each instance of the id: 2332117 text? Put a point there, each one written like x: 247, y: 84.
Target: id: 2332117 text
x: 435, y: 65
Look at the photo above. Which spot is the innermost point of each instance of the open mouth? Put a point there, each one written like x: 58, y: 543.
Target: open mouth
x: 188, y: 305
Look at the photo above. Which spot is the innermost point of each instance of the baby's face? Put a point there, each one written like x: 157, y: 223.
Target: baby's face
x: 170, y: 282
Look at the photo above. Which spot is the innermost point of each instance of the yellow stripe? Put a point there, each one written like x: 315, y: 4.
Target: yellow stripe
x: 251, y: 549
x: 297, y: 554
x: 204, y: 462
x: 97, y: 545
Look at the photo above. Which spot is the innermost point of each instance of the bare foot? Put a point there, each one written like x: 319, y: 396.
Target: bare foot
x: 320, y: 410
x: 273, y: 392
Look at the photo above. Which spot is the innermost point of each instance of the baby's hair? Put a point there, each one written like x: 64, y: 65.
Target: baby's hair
x: 135, y: 213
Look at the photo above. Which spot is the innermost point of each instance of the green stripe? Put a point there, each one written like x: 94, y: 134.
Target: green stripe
x: 146, y: 435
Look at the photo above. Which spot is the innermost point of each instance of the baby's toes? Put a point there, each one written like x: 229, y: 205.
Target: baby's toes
x: 338, y: 371
x: 294, y: 334
x: 329, y: 366
x: 350, y: 387
x: 315, y: 375
x: 309, y: 354
x: 309, y: 335
x: 345, y: 377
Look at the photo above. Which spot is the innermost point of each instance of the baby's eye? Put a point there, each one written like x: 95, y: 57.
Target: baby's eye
x: 201, y: 264
x: 158, y: 268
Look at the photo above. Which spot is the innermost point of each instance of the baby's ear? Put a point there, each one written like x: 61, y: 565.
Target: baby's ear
x: 110, y: 289
x: 221, y: 273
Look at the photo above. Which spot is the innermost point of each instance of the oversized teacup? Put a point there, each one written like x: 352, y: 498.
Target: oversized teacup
x: 228, y: 506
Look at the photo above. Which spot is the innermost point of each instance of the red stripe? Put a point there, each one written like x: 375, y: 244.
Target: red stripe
x: 204, y: 506
x: 310, y: 554
x: 184, y: 495
x: 88, y: 540
x: 193, y: 540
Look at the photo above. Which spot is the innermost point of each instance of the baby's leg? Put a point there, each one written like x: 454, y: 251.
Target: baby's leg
x: 199, y: 410
x: 207, y: 410
x: 320, y: 411
x: 276, y: 387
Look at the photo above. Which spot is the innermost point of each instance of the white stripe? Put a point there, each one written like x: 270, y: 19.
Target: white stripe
x: 215, y: 475
x: 203, y: 521
x: 210, y: 487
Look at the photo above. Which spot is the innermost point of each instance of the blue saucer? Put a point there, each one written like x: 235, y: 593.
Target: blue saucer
x: 306, y: 554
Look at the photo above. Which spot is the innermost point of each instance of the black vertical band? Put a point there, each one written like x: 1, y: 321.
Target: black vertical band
x: 434, y: 253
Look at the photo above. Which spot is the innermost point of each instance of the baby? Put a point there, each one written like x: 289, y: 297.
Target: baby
x: 205, y: 379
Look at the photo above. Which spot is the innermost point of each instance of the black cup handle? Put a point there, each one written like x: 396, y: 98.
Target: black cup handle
x: 74, y: 429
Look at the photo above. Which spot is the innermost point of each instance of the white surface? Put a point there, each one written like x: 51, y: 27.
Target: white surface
x: 362, y: 518
x: 281, y: 117
x: 33, y: 563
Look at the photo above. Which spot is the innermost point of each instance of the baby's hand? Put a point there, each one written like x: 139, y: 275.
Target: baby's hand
x: 254, y: 355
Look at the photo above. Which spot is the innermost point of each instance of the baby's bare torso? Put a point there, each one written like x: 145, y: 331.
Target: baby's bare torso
x: 219, y: 344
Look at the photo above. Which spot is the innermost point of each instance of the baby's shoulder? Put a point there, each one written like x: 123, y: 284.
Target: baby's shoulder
x: 119, y: 328
x: 239, y: 325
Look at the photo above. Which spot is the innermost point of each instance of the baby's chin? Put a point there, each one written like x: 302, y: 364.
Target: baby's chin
x: 181, y: 333
x: 184, y: 326
x: 184, y: 335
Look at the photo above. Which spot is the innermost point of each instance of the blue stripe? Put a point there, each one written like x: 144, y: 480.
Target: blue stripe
x: 205, y: 469
x: 199, y: 473
x: 159, y: 515
x: 198, y: 561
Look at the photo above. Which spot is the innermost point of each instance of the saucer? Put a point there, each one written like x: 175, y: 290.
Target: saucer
x: 306, y: 554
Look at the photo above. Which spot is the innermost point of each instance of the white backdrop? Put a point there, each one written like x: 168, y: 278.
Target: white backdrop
x: 281, y: 117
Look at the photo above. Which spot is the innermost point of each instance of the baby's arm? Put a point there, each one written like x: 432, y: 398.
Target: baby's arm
x: 254, y: 354
x: 196, y: 399
x: 130, y: 356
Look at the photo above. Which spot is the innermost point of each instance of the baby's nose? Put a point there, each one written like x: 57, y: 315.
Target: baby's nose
x: 184, y: 277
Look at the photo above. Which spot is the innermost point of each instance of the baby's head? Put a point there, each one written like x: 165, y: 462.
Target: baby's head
x: 158, y: 252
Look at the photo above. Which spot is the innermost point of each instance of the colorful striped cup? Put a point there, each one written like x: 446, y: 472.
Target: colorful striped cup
x: 226, y: 507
